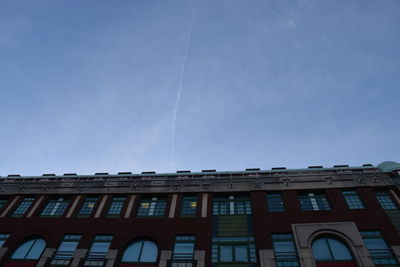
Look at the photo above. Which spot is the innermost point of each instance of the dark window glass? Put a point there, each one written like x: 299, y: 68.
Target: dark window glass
x: 153, y: 206
x: 3, y: 238
x: 55, y: 207
x: 23, y: 207
x: 189, y: 206
x: 285, y: 250
x: 65, y: 251
x: 183, y: 253
x: 3, y: 203
x: 330, y: 249
x: 231, y: 205
x: 115, y: 208
x: 29, y: 250
x: 385, y: 200
x: 275, y: 202
x: 314, y: 201
x: 142, y: 251
x: 87, y: 207
x: 352, y: 199
x: 378, y: 249
x: 98, y: 251
x: 233, y: 250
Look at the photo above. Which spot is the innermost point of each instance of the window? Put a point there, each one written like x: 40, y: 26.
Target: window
x: 285, y: 250
x: 378, y: 249
x: 183, y: 253
x: 98, y: 251
x: 189, y: 206
x: 3, y: 238
x: 352, y: 199
x: 65, y: 251
x: 116, y: 205
x: 314, y: 201
x: 275, y: 202
x: 231, y: 205
x: 29, y: 250
x: 330, y: 249
x: 385, y: 200
x: 55, y: 207
x: 87, y: 207
x: 23, y: 207
x: 3, y: 203
x: 153, y: 206
x: 233, y: 250
x: 141, y: 251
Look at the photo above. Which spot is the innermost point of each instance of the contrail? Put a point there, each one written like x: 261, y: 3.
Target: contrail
x: 179, y: 93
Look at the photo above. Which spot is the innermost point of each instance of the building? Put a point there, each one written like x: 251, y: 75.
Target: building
x: 327, y: 217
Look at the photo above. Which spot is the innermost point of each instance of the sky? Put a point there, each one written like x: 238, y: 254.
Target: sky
x: 153, y: 85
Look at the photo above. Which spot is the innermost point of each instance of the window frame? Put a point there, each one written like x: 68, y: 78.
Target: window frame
x: 3, y: 238
x: 94, y: 258
x: 285, y: 258
x: 232, y: 243
x: 180, y: 257
x: 379, y: 254
x: 385, y: 200
x: 64, y: 257
x: 314, y: 198
x: 60, y: 203
x: 23, y: 207
x: 231, y: 205
x: 352, y: 199
x: 141, y: 242
x: 117, y: 203
x: 151, y: 206
x: 86, y: 201
x: 26, y: 256
x: 272, y: 204
x: 187, y: 209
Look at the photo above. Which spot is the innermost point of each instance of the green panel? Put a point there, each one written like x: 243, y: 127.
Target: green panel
x: 232, y: 225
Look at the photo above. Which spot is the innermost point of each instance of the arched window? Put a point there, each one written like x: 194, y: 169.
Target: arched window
x: 29, y: 250
x: 141, y: 251
x: 330, y: 249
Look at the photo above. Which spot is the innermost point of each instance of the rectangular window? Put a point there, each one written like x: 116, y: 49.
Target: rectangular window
x: 378, y: 249
x: 98, y: 251
x: 183, y: 253
x: 189, y: 206
x: 231, y: 205
x: 153, y: 206
x: 87, y: 207
x: 285, y: 250
x: 3, y: 203
x: 65, y: 251
x: 23, y: 207
x: 55, y: 207
x: 115, y: 208
x: 314, y: 201
x: 352, y: 199
x: 275, y: 202
x: 385, y: 200
x: 233, y: 250
x: 3, y: 238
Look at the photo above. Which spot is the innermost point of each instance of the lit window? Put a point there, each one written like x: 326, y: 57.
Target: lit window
x: 189, y: 206
x: 55, y: 207
x: 142, y: 251
x: 115, y: 209
x: 87, y: 207
x: 275, y: 202
x: 233, y: 250
x: 3, y: 238
x: 231, y: 205
x: 330, y: 249
x: 153, y: 206
x: 285, y: 250
x: 314, y: 201
x: 352, y: 199
x: 385, y: 200
x: 66, y: 250
x: 183, y: 251
x: 23, y: 207
x: 378, y: 249
x: 29, y: 250
x: 98, y: 251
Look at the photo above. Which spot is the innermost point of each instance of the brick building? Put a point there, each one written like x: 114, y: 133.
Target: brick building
x: 327, y: 217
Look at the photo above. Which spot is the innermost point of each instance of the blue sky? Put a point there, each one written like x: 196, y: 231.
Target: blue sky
x: 92, y: 86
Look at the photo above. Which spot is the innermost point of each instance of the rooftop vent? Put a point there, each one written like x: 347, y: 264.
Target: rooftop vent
x: 315, y: 167
x: 101, y: 173
x: 187, y: 171
x: 124, y: 173
x: 48, y: 174
x: 69, y: 174
x: 152, y: 172
x: 13, y: 175
x: 253, y: 169
x: 208, y: 170
x: 340, y: 166
x: 278, y: 168
x: 367, y: 165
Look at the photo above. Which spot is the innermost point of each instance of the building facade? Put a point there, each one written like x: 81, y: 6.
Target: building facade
x: 315, y: 217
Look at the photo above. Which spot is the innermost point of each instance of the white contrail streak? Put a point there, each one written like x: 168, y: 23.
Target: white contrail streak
x: 179, y: 93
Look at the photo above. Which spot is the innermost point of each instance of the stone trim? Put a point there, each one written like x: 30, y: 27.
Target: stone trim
x: 204, y: 205
x: 267, y: 258
x: 74, y: 204
x: 165, y: 256
x: 130, y: 206
x: 47, y: 254
x: 173, y: 206
x: 35, y: 206
x: 101, y: 206
x: 9, y: 206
